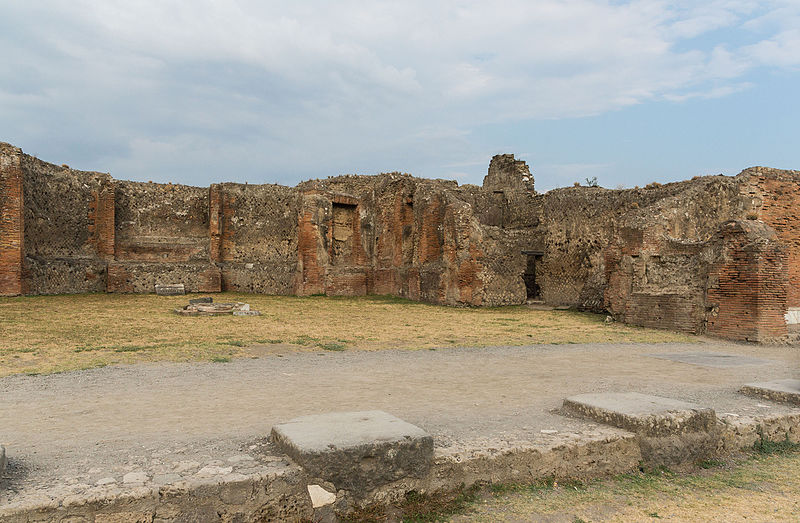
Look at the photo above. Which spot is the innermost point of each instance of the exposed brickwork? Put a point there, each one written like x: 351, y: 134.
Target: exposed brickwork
x: 11, y: 221
x: 102, y: 221
x: 777, y: 195
x: 662, y: 256
x: 748, y: 284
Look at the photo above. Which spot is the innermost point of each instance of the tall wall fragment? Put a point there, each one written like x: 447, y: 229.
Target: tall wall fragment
x: 11, y: 221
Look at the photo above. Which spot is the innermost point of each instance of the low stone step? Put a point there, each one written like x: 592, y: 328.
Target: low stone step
x: 784, y: 391
x: 356, y: 451
x: 671, y: 432
x: 642, y: 413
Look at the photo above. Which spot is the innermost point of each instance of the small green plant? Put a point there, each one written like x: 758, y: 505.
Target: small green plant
x: 305, y: 340
x: 591, y: 182
x: 765, y: 446
x: 710, y: 463
x: 130, y: 348
x: 220, y: 359
x: 29, y: 349
x: 332, y: 345
x: 234, y: 343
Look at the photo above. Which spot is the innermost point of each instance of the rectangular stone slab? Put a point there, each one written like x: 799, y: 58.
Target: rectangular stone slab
x: 642, y: 413
x: 171, y: 289
x: 356, y: 451
x: 784, y: 391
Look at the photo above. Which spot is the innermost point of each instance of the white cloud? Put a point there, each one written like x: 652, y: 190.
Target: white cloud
x: 338, y: 84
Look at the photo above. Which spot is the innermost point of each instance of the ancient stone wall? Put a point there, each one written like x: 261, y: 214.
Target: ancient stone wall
x: 61, y: 234
x: 663, y: 256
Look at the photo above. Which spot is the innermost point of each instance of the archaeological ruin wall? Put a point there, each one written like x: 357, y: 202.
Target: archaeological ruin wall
x: 713, y: 254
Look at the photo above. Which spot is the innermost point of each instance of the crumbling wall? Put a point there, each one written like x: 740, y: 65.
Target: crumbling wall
x: 12, y: 215
x: 748, y: 283
x: 61, y: 240
x: 258, y: 237
x: 773, y: 196
x: 663, y: 256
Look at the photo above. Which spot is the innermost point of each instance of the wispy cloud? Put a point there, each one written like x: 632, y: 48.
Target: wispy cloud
x: 274, y: 90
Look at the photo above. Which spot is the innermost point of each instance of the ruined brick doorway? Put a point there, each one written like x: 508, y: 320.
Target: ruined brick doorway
x: 532, y: 289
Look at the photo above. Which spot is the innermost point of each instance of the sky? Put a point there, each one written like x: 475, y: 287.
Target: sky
x: 207, y: 91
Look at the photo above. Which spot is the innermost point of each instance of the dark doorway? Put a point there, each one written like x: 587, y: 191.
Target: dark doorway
x: 532, y: 288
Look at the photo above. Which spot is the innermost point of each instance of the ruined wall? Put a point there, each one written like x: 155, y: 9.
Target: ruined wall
x: 61, y: 237
x: 659, y: 256
x: 258, y: 237
x: 748, y: 283
x: 161, y: 236
x: 773, y: 196
x: 11, y: 221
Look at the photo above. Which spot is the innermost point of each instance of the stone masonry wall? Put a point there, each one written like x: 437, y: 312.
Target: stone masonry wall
x: 63, y: 208
x: 663, y: 256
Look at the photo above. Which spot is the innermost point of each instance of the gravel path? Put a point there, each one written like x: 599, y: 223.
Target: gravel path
x: 86, y: 426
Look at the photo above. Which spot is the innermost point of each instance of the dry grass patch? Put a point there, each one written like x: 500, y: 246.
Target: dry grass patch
x: 760, y: 488
x: 42, y: 334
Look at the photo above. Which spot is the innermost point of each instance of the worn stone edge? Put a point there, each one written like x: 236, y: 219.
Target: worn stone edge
x: 673, y: 422
x: 754, y: 389
x: 617, y: 451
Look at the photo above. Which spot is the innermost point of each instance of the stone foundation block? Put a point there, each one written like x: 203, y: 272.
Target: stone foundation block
x: 670, y: 431
x: 356, y: 451
x: 784, y: 391
x: 170, y: 289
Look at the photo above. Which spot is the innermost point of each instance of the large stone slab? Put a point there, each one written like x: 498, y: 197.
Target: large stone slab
x: 356, y: 451
x: 642, y: 413
x: 711, y: 359
x: 670, y: 432
x: 784, y: 391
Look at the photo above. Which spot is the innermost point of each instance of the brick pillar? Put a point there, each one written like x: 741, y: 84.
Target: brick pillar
x: 102, y: 220
x: 215, y: 221
x: 12, y: 216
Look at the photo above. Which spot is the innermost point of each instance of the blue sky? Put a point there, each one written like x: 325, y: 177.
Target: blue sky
x: 275, y: 92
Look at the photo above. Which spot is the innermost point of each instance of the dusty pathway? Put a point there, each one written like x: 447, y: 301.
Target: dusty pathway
x: 82, y: 426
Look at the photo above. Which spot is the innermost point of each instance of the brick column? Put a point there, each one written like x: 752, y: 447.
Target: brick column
x: 215, y: 221
x: 102, y: 220
x: 12, y: 216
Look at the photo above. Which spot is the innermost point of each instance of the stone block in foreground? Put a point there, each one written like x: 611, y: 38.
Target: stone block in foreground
x: 642, y: 413
x: 670, y: 431
x: 784, y: 391
x: 171, y: 289
x: 356, y: 451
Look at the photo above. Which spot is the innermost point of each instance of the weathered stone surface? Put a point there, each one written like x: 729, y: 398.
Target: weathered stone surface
x: 356, y: 451
x: 320, y: 497
x: 171, y: 289
x: 669, y: 431
x: 642, y: 413
x: 784, y: 391
x: 715, y: 254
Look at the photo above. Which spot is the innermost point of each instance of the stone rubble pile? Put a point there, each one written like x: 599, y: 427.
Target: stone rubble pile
x: 206, y: 307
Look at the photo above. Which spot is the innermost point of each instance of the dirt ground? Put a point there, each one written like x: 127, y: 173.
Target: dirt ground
x: 85, y: 425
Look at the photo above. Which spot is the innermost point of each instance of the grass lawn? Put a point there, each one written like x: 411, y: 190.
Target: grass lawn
x: 759, y: 487
x: 44, y: 334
